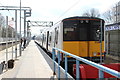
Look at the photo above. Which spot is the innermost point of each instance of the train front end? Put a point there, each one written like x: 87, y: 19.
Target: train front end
x: 84, y: 37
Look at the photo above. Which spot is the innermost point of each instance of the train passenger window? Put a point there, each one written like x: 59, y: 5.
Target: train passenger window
x: 68, y: 29
x: 50, y: 37
x: 45, y: 37
x: 56, y: 36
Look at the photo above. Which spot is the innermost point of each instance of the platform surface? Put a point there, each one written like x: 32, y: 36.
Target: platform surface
x: 30, y: 65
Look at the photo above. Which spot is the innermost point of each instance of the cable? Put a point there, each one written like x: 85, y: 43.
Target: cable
x: 68, y: 9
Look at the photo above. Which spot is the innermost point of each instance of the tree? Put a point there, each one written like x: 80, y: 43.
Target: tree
x: 109, y: 16
x: 3, y: 29
x: 3, y: 32
x: 2, y: 24
x: 92, y: 13
x: 2, y: 20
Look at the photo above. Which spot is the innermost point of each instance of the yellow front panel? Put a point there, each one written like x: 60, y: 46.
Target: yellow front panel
x: 71, y: 47
x: 83, y: 48
x: 78, y: 48
x: 94, y: 47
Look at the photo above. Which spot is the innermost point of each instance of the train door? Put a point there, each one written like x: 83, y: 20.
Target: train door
x: 96, y: 46
x: 83, y: 38
x: 70, y: 36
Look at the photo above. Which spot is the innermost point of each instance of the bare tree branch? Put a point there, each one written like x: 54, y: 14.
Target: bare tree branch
x: 108, y: 16
x: 92, y: 13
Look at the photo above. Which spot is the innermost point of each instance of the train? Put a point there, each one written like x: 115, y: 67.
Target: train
x: 78, y: 35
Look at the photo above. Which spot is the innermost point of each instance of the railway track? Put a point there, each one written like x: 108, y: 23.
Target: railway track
x: 3, y: 45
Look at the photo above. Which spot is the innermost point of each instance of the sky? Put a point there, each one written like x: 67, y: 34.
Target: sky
x: 56, y: 10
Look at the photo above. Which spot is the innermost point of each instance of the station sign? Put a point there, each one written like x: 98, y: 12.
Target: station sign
x: 113, y: 27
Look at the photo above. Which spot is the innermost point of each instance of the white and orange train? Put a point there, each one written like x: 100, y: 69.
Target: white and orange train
x: 77, y: 35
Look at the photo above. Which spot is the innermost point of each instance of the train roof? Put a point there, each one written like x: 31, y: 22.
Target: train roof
x: 82, y: 17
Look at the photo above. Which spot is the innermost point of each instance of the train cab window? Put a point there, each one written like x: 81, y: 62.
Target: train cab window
x: 81, y: 30
x: 70, y: 30
x: 83, y: 33
x: 95, y: 30
x: 84, y: 30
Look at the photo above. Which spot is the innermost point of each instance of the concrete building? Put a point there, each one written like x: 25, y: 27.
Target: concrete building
x: 116, y: 10
x: 112, y: 34
x: 112, y: 39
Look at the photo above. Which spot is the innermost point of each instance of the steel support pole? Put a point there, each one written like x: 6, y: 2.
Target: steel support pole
x: 53, y: 56
x: 101, y: 75
x: 66, y: 66
x: 107, y: 40
x: 101, y: 33
x: 24, y: 23
x: 12, y: 42
x: 58, y: 65
x: 116, y: 13
x: 7, y: 43
x: 1, y: 32
x: 27, y: 33
x: 15, y: 34
x: 20, y: 52
x: 77, y: 70
x: 27, y: 29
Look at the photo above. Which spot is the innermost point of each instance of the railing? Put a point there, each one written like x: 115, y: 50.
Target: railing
x: 78, y: 59
x: 9, y: 40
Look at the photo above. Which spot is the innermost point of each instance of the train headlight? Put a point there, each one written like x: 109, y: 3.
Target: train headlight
x: 94, y: 53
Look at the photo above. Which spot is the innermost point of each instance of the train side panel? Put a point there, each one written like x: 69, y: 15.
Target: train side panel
x: 56, y: 36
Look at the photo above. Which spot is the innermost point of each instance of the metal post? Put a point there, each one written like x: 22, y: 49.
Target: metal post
x: 7, y: 43
x: 66, y: 65
x: 12, y: 42
x: 101, y: 42
x: 27, y: 29
x: 53, y: 55
x: 16, y: 34
x: 101, y: 75
x: 77, y: 70
x: 27, y: 33
x: 24, y: 23
x: 20, y: 52
x: 116, y: 12
x: 1, y: 32
x: 59, y: 65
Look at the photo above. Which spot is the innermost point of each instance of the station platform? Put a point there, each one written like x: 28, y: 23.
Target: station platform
x: 32, y: 64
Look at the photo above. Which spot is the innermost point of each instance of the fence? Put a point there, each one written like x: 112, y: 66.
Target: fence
x: 57, y: 52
